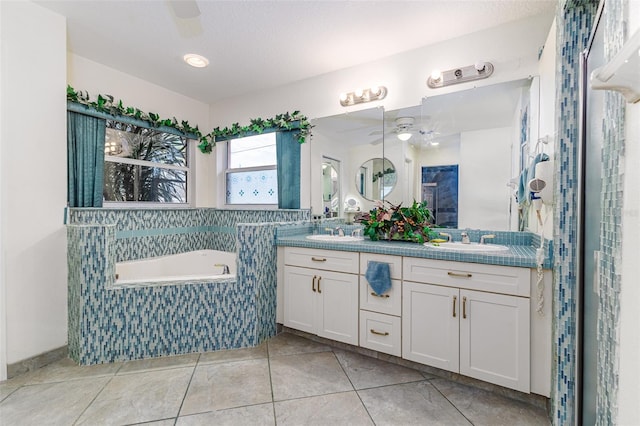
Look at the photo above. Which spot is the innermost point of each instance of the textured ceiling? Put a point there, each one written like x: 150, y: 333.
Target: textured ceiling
x: 255, y: 45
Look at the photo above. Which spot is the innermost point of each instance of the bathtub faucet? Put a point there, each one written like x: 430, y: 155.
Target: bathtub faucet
x: 225, y: 268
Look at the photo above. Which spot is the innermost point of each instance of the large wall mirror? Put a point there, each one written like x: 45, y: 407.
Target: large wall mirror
x: 459, y: 152
x: 355, y: 141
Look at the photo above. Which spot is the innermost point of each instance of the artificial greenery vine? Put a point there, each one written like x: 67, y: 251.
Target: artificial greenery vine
x: 290, y: 122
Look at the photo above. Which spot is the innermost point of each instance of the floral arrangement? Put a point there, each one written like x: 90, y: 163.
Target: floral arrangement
x: 397, y: 223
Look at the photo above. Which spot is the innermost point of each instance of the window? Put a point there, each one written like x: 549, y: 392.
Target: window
x: 145, y: 165
x: 251, y: 176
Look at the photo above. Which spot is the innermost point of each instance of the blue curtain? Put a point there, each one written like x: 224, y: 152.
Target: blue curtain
x: 85, y: 159
x: 288, y: 154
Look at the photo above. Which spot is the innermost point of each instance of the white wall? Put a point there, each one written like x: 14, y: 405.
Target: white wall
x: 629, y: 385
x: 513, y: 55
x: 95, y: 78
x: 34, y: 187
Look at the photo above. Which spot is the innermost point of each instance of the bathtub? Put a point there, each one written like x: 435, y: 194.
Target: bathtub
x: 201, y: 265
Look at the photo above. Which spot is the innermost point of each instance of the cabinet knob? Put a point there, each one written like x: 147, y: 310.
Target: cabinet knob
x: 319, y: 278
x: 379, y: 333
x: 384, y: 296
x: 313, y: 283
x: 455, y: 300
x: 318, y: 259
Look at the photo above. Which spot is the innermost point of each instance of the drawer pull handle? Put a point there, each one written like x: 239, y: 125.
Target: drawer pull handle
x: 458, y: 274
x: 319, y: 291
x: 313, y: 283
x: 384, y: 296
x: 318, y: 259
x: 455, y: 300
x: 379, y: 333
x: 464, y: 307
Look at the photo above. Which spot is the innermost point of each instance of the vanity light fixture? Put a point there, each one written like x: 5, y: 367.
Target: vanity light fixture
x: 196, y: 60
x: 358, y: 96
x: 477, y: 71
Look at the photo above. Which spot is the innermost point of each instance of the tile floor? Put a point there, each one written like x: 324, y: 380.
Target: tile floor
x: 289, y: 380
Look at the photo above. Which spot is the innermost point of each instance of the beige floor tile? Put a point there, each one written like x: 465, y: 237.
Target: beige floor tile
x: 485, y: 408
x: 366, y: 372
x: 7, y: 389
x: 288, y: 344
x: 254, y: 415
x: 259, y: 352
x: 334, y: 409
x: 50, y: 403
x: 160, y: 363
x: 416, y: 403
x: 228, y: 385
x: 310, y: 374
x: 166, y: 422
x: 65, y: 369
x: 140, y: 397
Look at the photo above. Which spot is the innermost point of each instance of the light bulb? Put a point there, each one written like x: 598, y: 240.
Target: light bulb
x: 195, y: 60
x: 480, y: 66
x: 436, y: 75
x: 343, y: 97
x: 375, y: 90
x: 404, y: 136
x: 359, y: 93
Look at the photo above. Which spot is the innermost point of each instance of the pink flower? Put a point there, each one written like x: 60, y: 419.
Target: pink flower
x: 386, y: 216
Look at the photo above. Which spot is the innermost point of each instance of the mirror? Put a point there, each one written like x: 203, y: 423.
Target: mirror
x: 462, y: 151
x: 349, y: 139
x: 376, y: 178
x: 330, y: 187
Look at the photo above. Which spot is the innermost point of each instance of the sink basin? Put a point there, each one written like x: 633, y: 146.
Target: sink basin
x: 468, y: 248
x: 334, y: 238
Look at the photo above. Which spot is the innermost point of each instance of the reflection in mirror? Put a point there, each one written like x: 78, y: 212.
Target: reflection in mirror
x: 375, y: 179
x: 351, y: 139
x: 462, y: 151
x: 330, y: 187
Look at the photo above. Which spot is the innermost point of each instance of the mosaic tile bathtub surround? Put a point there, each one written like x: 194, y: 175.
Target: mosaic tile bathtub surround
x: 574, y: 23
x: 112, y: 324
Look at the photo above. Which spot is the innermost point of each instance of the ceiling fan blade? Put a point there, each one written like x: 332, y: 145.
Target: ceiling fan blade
x: 185, y: 9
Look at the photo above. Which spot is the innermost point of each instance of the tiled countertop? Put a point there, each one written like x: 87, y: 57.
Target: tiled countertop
x: 518, y: 255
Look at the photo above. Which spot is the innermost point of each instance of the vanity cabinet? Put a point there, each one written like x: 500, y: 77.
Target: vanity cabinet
x: 471, y: 319
x: 380, y: 315
x: 321, y: 293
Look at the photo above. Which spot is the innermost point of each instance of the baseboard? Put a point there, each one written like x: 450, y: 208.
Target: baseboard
x: 36, y: 362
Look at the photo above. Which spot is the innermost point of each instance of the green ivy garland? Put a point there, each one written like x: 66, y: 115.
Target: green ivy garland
x: 107, y: 104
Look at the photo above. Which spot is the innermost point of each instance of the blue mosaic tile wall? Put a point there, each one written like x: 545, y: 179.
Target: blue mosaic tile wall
x: 613, y: 122
x: 114, y: 324
x: 574, y: 22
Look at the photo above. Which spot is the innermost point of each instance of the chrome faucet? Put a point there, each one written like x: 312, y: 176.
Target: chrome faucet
x: 444, y: 234
x: 329, y: 230
x: 486, y: 237
x: 225, y: 268
x: 465, y: 238
x: 340, y: 231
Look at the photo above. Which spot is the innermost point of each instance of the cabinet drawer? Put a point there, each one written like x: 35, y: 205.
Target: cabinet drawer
x: 328, y: 260
x: 389, y: 303
x: 395, y: 263
x: 380, y: 332
x: 472, y: 276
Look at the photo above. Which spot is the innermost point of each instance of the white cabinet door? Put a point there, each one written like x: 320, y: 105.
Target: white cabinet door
x: 300, y: 299
x: 430, y: 333
x: 338, y: 306
x: 494, y: 338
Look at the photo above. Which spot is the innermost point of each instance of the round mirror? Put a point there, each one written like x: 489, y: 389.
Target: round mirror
x: 376, y: 178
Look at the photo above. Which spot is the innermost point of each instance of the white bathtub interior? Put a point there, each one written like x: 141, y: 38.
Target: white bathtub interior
x: 197, y: 265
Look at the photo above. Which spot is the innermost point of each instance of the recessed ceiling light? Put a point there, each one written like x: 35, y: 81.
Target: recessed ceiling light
x: 194, y: 60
